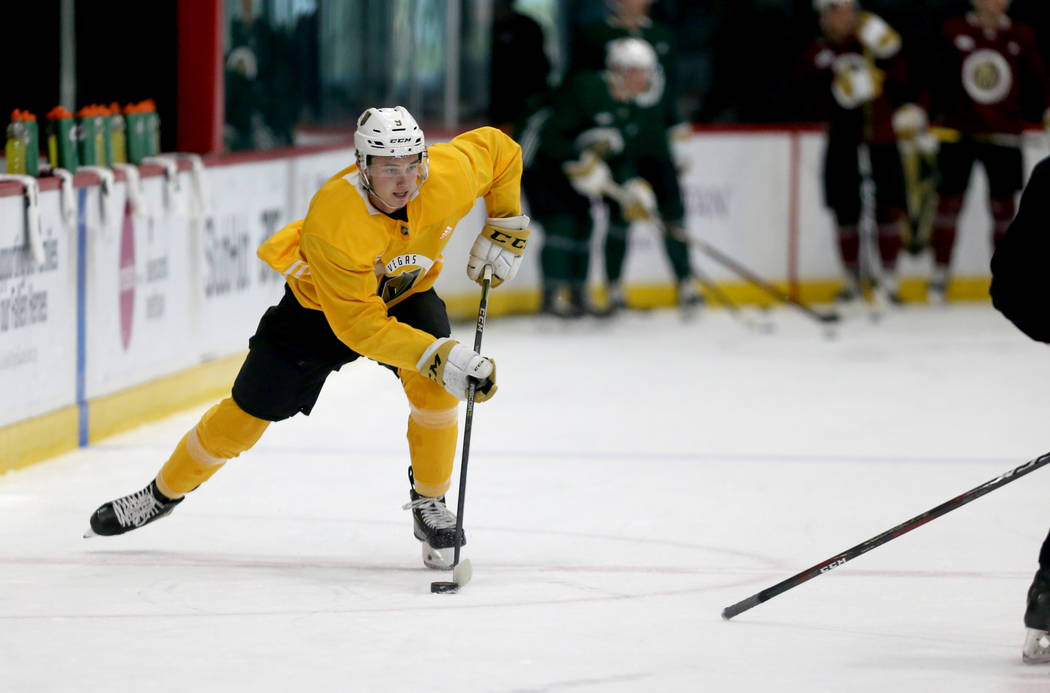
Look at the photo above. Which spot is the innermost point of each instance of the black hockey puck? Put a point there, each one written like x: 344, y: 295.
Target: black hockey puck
x: 444, y: 587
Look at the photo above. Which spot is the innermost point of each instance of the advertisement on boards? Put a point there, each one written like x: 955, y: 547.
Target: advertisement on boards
x: 38, y: 325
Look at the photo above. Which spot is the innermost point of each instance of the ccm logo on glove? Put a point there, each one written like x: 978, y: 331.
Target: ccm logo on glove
x: 452, y: 365
x: 501, y: 244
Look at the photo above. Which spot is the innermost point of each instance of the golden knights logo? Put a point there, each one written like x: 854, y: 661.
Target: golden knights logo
x: 400, y: 274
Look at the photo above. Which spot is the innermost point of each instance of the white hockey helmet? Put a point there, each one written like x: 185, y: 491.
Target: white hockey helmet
x: 626, y: 53
x: 821, y: 5
x: 636, y: 54
x: 389, y: 132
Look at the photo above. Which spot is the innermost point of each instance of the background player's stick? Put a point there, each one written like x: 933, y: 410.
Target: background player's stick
x: 889, y: 535
x: 717, y: 255
x: 461, y: 572
x: 729, y: 304
x: 623, y: 198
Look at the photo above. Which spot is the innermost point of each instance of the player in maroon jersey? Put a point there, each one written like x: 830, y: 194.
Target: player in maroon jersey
x: 986, y: 62
x: 855, y: 79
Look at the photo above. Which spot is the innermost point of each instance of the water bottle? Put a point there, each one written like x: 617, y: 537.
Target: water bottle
x: 117, y: 153
x: 62, y: 139
x: 15, y: 149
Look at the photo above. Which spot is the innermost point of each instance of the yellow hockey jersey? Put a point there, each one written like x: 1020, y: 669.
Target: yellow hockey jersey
x: 352, y: 261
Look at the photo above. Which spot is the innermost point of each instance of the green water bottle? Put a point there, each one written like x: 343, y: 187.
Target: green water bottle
x: 152, y: 127
x: 91, y: 139
x: 135, y: 122
x: 62, y: 139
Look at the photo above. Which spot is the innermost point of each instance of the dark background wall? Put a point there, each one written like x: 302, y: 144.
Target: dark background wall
x: 125, y: 51
x: 737, y: 57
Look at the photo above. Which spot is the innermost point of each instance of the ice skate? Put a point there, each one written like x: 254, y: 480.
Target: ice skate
x: 884, y: 298
x: 615, y: 298
x: 888, y: 290
x: 558, y: 303
x: 688, y: 298
x: 131, y: 512
x: 1037, y: 620
x: 937, y: 289
x: 435, y: 526
x: 581, y: 304
x: 849, y: 300
x: 1036, y: 647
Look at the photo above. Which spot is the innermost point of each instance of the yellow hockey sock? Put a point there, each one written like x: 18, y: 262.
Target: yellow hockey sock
x: 224, y: 432
x: 433, y: 426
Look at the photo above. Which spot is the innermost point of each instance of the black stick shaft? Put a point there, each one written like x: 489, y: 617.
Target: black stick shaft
x: 486, y: 283
x: 889, y: 535
x: 618, y: 193
x: 750, y: 276
x: 717, y: 292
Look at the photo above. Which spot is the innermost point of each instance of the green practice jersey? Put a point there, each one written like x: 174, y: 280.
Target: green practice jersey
x: 582, y: 115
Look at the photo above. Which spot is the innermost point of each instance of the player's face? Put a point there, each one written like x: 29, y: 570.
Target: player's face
x: 635, y: 80
x: 838, y: 21
x: 393, y: 180
x: 994, y: 7
x: 633, y: 7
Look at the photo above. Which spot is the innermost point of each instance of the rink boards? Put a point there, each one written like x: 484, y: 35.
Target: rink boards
x: 136, y: 306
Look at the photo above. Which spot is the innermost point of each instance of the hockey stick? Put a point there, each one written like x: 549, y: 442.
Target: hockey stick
x: 730, y: 305
x: 717, y: 255
x: 625, y: 200
x: 889, y: 535
x: 462, y: 572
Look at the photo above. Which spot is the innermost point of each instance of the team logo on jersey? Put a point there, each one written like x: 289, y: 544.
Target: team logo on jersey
x: 401, y: 273
x: 986, y: 76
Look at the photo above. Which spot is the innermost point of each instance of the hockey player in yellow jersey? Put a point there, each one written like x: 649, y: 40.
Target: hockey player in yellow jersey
x: 359, y: 272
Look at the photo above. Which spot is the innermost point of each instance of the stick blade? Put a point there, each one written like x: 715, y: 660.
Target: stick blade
x: 461, y: 574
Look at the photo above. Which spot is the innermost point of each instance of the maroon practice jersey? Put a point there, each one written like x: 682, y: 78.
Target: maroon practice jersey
x: 981, y: 74
x: 871, y: 122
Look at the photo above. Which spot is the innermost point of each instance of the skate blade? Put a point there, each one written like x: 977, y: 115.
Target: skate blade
x: 89, y: 533
x: 437, y: 559
x: 1036, y: 647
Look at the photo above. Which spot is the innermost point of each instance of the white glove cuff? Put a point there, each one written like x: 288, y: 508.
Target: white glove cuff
x: 511, y: 223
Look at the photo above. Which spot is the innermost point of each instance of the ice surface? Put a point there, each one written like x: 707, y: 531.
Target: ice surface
x: 629, y: 481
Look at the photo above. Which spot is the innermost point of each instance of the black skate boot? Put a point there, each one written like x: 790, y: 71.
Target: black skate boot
x: 688, y: 298
x: 1037, y: 620
x: 131, y: 512
x: 435, y: 526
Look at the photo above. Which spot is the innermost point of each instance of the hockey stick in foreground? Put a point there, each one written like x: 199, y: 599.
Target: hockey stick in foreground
x: 890, y: 534
x: 462, y: 572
